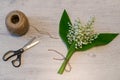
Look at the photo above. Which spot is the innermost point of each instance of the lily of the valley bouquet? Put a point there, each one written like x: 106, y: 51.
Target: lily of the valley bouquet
x: 79, y: 37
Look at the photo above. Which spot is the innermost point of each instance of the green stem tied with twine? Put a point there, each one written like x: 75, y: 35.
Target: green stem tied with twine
x: 78, y: 37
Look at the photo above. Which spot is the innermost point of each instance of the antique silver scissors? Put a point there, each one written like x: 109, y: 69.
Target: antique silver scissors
x: 11, y: 53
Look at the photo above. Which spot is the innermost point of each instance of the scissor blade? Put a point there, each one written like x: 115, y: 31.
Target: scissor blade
x: 31, y: 45
x: 30, y: 41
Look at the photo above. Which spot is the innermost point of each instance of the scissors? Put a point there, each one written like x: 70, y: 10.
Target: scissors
x: 11, y: 53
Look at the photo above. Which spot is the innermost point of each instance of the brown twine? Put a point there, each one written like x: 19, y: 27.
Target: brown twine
x: 17, y: 23
x: 45, y: 33
x: 63, y: 58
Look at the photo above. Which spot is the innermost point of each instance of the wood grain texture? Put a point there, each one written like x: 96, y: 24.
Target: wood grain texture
x: 100, y: 63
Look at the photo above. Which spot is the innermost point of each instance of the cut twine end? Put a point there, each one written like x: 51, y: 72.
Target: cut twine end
x: 45, y: 33
x: 63, y: 58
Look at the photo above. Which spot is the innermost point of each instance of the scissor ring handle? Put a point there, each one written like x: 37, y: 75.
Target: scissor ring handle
x: 18, y: 60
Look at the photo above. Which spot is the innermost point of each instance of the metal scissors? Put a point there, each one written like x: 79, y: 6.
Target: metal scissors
x: 11, y: 53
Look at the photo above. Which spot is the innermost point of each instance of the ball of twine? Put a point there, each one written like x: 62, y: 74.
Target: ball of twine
x: 17, y: 23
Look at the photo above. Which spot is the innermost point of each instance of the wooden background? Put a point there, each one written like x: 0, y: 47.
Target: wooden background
x: 100, y: 63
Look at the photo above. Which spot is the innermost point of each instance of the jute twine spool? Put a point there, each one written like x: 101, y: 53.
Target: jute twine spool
x: 17, y: 23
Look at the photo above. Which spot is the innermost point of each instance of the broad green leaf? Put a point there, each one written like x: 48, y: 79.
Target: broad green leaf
x: 103, y: 39
x: 63, y: 27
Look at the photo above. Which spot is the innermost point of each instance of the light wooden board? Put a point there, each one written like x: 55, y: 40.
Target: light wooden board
x: 100, y: 63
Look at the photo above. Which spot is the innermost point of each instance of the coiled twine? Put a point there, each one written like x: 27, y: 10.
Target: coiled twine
x: 17, y: 23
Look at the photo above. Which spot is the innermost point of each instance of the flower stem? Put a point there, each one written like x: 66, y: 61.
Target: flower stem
x: 69, y: 55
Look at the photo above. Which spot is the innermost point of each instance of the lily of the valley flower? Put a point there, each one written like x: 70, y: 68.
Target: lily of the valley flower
x: 81, y: 34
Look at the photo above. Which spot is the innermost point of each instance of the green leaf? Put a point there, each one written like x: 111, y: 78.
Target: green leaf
x: 63, y: 27
x: 103, y: 39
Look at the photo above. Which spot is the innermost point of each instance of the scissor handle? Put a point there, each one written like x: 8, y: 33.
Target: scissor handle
x: 8, y: 55
x: 12, y: 53
x: 17, y: 61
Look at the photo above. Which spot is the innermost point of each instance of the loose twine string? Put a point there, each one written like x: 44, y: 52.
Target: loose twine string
x: 63, y: 58
x: 45, y: 33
